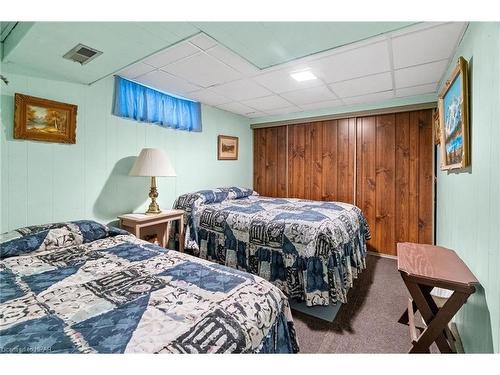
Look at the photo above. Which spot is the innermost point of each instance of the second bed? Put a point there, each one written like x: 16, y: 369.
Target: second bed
x: 311, y: 250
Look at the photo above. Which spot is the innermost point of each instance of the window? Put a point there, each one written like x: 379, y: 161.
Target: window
x: 141, y: 103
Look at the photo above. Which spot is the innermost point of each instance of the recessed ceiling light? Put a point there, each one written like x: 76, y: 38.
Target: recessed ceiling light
x: 303, y: 76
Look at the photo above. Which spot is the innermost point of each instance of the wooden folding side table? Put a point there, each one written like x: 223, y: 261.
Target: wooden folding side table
x: 424, y: 267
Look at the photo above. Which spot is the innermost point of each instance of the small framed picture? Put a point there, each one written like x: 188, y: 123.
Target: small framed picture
x: 46, y: 120
x: 227, y: 147
x: 454, y: 119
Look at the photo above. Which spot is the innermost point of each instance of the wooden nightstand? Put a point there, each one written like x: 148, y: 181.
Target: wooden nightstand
x: 149, y: 226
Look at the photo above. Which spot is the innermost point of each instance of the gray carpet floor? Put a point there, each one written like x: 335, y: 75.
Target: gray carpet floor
x: 368, y: 322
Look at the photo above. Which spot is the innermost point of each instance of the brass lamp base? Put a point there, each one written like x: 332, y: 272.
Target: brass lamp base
x: 153, y: 209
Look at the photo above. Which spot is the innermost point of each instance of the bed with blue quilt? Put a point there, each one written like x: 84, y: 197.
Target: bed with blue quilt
x: 83, y: 287
x: 311, y: 250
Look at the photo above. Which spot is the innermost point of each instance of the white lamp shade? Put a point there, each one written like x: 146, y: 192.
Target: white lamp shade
x: 152, y: 162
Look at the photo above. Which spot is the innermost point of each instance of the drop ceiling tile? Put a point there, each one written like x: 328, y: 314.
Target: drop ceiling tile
x: 309, y: 95
x: 232, y: 59
x: 255, y: 114
x: 172, y: 54
x: 165, y: 82
x: 420, y: 74
x: 203, y: 70
x: 370, y: 59
x: 136, y: 70
x: 370, y: 98
x: 426, y: 45
x: 321, y: 105
x: 417, y: 90
x: 242, y: 89
x: 283, y: 111
x: 363, y: 85
x: 203, y: 41
x: 267, y: 103
x: 209, y: 97
x: 280, y: 81
x: 238, y: 108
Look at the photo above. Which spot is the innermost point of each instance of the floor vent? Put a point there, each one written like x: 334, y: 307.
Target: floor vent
x: 82, y: 54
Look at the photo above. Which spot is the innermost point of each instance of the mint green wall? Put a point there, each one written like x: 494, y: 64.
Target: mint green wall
x: 46, y: 182
x: 468, y: 203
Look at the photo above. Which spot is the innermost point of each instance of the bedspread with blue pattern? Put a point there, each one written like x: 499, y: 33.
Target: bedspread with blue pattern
x: 82, y: 287
x: 311, y: 250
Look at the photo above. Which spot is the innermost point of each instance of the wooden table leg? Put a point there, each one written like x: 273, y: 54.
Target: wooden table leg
x: 405, y: 317
x: 425, y: 310
x: 181, y: 234
x: 166, y: 235
x: 435, y: 318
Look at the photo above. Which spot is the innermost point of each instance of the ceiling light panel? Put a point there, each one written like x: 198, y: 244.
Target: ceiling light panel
x: 306, y: 75
x: 280, y: 81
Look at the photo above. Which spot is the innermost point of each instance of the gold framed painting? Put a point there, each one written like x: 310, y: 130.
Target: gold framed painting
x: 46, y: 120
x: 436, y: 127
x: 227, y: 147
x: 454, y: 119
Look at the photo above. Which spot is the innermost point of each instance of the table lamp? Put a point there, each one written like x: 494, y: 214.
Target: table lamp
x: 152, y: 162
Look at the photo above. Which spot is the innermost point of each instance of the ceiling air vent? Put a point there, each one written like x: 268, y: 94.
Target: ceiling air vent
x: 82, y: 54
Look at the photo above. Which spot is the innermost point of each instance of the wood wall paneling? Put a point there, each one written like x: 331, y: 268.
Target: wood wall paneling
x: 321, y: 160
x: 402, y: 177
x: 298, y: 138
x: 269, y: 160
x: 426, y: 178
x: 329, y: 159
x: 395, y: 178
x: 383, y: 164
x: 316, y: 161
x: 281, y: 134
x: 366, y: 173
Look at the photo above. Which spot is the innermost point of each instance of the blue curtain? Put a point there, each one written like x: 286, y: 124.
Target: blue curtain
x: 141, y: 103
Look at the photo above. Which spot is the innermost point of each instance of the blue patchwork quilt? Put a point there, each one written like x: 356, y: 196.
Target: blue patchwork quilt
x: 311, y: 250
x: 82, y: 287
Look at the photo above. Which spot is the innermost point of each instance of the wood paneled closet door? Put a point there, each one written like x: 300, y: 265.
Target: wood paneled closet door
x: 395, y: 178
x: 269, y: 161
x: 321, y: 160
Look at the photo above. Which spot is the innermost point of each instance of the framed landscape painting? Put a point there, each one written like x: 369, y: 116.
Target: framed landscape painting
x: 46, y: 120
x: 227, y: 147
x: 454, y: 119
